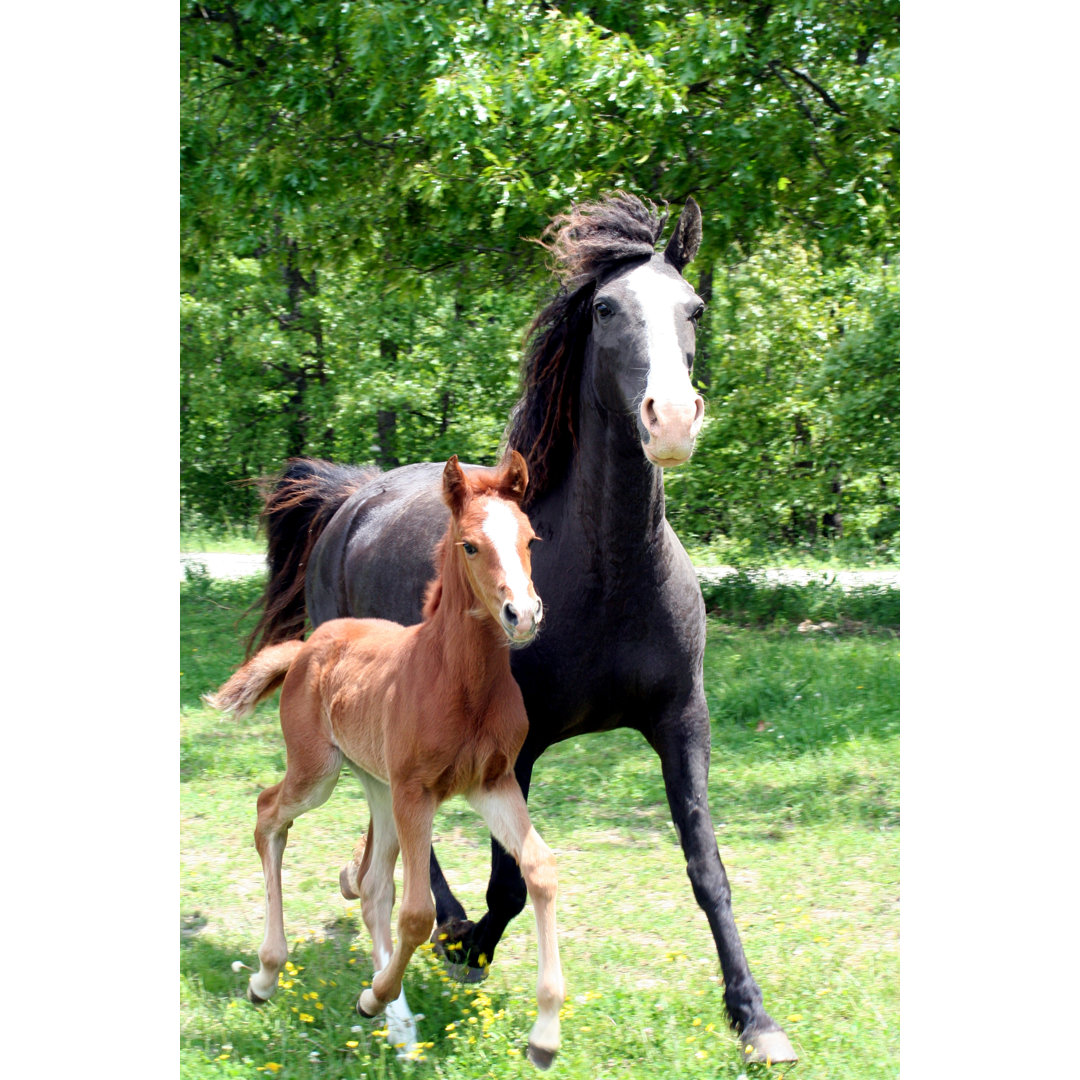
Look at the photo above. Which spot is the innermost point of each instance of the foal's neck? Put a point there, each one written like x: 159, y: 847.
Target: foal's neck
x: 470, y: 644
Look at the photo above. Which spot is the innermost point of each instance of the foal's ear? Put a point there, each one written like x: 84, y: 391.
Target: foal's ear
x: 455, y: 488
x: 516, y: 476
x: 686, y: 239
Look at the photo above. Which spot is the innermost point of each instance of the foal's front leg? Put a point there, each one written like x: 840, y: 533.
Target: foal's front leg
x: 502, y: 806
x: 370, y: 876
x: 506, y: 894
x: 414, y: 811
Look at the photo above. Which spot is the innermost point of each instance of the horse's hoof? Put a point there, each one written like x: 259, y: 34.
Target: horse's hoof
x: 767, y: 1047
x: 372, y: 1009
x: 254, y: 998
x: 455, y: 932
x: 462, y: 973
x: 540, y: 1057
x: 346, y: 888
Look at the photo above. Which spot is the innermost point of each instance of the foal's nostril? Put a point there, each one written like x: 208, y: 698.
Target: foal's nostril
x: 510, y: 614
x: 648, y: 413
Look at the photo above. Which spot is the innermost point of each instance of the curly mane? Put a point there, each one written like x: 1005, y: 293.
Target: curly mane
x: 587, y: 244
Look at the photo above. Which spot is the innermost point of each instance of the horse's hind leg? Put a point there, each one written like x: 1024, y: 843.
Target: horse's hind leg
x: 503, y: 808
x: 307, y: 784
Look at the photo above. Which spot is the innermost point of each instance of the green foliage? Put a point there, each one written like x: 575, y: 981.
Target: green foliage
x: 359, y: 180
x: 801, y: 438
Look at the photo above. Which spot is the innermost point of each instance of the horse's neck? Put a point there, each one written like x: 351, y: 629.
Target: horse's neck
x: 611, y: 493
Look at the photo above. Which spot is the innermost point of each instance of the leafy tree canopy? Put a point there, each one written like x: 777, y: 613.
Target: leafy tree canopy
x: 359, y: 180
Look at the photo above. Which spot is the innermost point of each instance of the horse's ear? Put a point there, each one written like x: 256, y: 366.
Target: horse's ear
x: 516, y: 476
x: 455, y: 486
x: 686, y: 239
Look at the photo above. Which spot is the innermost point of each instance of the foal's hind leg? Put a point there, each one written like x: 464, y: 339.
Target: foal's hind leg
x: 308, y: 783
x: 502, y: 806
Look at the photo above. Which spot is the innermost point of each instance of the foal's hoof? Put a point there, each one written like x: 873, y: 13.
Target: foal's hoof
x: 369, y: 1008
x: 767, y: 1047
x: 540, y: 1057
x: 347, y: 884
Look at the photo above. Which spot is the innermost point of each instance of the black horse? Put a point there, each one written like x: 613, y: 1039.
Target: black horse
x: 607, y: 403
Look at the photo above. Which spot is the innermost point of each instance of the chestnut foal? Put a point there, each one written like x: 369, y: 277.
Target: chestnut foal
x: 420, y: 713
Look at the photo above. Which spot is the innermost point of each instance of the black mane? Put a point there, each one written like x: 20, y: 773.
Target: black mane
x: 588, y: 244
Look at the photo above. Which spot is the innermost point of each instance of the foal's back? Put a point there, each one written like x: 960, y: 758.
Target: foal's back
x: 347, y: 683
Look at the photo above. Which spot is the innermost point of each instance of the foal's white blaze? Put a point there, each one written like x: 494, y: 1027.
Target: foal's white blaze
x: 672, y: 410
x: 501, y: 528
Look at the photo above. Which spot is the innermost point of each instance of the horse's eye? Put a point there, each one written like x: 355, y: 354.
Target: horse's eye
x: 469, y: 549
x: 696, y: 317
x: 531, y: 542
x: 603, y: 310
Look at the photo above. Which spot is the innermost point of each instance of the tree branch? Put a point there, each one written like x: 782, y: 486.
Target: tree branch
x: 774, y: 67
x: 819, y: 90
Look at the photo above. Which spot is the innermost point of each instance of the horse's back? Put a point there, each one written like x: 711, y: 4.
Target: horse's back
x: 376, y: 557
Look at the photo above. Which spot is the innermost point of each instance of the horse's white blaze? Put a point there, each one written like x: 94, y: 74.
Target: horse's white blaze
x: 660, y: 298
x: 501, y: 528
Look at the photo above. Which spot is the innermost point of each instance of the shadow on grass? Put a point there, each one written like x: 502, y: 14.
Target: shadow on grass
x: 311, y: 1021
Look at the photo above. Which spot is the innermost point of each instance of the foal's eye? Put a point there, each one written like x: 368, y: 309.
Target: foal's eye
x: 603, y: 310
x: 696, y: 317
x: 469, y: 549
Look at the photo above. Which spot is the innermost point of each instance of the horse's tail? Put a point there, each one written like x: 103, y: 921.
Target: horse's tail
x: 256, y: 680
x: 297, y: 508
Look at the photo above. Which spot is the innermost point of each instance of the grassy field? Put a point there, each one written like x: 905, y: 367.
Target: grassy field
x: 804, y: 792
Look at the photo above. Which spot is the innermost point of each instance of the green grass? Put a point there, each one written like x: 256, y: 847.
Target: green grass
x: 804, y: 792
x: 742, y: 599
x: 824, y: 555
x: 197, y: 534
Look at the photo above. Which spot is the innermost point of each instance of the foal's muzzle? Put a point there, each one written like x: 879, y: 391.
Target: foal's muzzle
x: 521, y: 622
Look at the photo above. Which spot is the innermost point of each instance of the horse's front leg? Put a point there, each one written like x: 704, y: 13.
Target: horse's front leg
x: 682, y: 738
x: 468, y: 947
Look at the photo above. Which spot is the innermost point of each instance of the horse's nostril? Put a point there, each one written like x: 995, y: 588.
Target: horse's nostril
x: 648, y: 412
x: 510, y: 613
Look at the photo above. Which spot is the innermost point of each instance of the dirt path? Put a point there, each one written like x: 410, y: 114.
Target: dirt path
x: 231, y: 565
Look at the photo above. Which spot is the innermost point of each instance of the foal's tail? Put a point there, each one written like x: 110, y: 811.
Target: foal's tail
x: 256, y: 680
x: 296, y: 510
